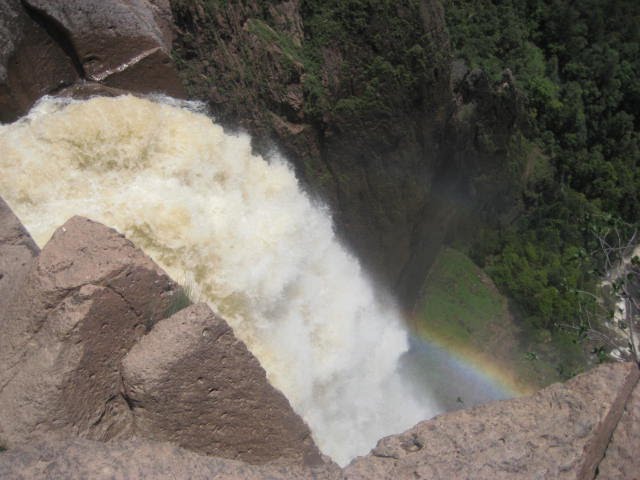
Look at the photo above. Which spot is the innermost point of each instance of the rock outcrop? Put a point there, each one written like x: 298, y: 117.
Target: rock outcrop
x: 118, y: 43
x: 26, y: 47
x: 82, y: 355
x: 561, y: 432
x: 191, y: 382
x: 88, y: 297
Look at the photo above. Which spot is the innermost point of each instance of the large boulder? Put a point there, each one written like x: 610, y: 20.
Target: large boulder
x: 82, y: 306
x: 559, y: 433
x: 86, y: 300
x: 17, y: 252
x: 119, y: 43
x: 137, y: 459
x: 190, y: 381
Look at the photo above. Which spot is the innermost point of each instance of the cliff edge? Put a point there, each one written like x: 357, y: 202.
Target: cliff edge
x: 92, y: 350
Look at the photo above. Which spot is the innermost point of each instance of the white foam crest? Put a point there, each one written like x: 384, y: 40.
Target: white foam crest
x: 242, y: 231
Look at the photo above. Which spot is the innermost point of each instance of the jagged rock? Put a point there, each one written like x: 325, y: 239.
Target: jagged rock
x: 121, y: 43
x: 17, y: 252
x: 622, y: 459
x: 190, y: 381
x: 559, y: 433
x: 86, y: 300
x: 136, y: 459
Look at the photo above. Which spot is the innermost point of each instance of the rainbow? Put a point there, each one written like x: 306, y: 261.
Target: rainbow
x: 462, y: 375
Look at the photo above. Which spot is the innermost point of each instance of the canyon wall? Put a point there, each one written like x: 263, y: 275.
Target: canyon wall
x: 363, y: 98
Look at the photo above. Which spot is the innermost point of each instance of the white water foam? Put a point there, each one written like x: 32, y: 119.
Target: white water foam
x: 237, y: 228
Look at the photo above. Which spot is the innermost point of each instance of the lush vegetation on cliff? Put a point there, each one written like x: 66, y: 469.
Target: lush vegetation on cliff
x: 461, y: 309
x: 357, y: 92
x: 578, y: 63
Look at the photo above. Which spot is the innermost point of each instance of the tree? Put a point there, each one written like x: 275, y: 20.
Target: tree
x: 612, y: 318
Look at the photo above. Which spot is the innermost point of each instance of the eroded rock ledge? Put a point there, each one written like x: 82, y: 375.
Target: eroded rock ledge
x: 90, y: 353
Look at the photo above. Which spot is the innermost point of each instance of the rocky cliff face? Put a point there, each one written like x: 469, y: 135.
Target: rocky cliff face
x: 355, y: 95
x: 360, y: 97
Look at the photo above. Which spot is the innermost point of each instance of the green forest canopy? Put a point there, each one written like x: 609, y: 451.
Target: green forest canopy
x: 578, y: 63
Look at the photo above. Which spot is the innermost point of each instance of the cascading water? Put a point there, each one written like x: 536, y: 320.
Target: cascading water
x: 241, y: 232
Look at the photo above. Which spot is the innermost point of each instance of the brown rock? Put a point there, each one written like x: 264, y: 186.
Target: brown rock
x: 559, y: 433
x: 121, y: 43
x: 17, y: 252
x: 164, y: 20
x: 110, y: 37
x: 86, y: 300
x: 137, y: 459
x: 622, y: 459
x: 190, y: 381
x: 28, y: 45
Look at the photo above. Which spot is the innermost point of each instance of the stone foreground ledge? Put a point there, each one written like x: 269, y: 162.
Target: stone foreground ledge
x: 191, y: 382
x: 622, y: 459
x: 84, y: 302
x: 550, y: 435
x: 561, y: 432
x: 90, y: 349
x: 138, y: 459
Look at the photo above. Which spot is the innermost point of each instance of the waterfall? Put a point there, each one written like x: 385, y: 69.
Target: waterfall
x: 239, y: 230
